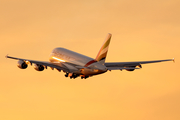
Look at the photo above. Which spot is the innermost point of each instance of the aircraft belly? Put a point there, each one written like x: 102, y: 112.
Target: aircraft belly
x: 89, y: 72
x: 71, y: 68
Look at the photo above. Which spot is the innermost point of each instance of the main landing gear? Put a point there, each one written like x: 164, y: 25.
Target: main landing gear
x: 71, y: 75
x: 66, y: 75
x: 84, y: 77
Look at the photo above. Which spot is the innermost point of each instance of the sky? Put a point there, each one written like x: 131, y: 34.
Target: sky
x: 141, y: 30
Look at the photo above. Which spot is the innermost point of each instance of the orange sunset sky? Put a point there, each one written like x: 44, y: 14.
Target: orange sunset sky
x: 141, y: 30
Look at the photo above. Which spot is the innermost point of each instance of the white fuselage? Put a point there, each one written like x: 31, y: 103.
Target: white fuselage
x: 76, y: 61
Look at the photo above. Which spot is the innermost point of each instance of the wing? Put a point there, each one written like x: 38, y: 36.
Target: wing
x: 58, y: 66
x: 131, y: 65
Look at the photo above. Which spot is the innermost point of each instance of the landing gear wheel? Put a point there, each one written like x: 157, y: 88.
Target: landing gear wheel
x: 66, y: 75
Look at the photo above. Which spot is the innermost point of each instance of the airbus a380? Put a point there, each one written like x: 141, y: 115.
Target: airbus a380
x: 75, y: 64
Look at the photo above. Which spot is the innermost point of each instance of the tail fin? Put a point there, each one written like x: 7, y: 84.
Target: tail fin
x: 101, y: 57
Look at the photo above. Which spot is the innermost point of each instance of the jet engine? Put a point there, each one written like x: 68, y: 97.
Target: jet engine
x: 130, y: 68
x: 21, y: 64
x: 38, y: 67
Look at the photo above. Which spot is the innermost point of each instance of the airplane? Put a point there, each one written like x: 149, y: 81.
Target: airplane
x: 77, y: 65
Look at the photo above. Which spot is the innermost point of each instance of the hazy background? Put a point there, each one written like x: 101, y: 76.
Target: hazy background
x: 141, y: 29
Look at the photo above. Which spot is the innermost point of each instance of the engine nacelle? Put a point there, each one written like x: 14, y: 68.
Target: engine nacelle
x: 21, y: 64
x: 130, y: 69
x: 38, y: 67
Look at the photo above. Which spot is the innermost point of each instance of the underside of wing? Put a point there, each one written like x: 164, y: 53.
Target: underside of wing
x: 131, y: 65
x: 39, y: 64
x: 122, y: 68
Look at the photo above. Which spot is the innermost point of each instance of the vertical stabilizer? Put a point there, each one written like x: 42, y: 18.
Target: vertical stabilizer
x: 101, y: 57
